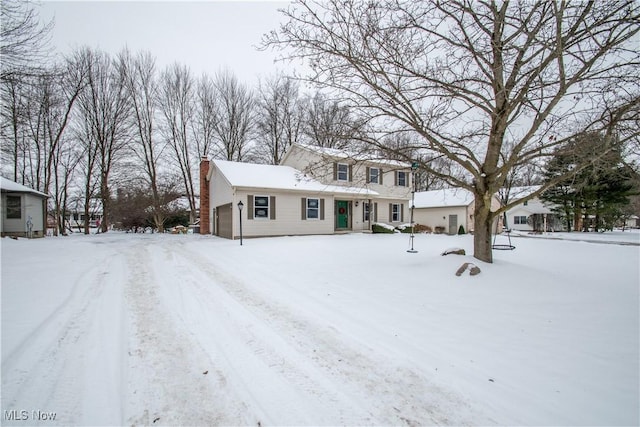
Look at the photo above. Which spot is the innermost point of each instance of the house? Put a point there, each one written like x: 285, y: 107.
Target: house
x: 23, y: 210
x: 532, y: 215
x: 446, y: 210
x: 389, y: 180
x: 313, y: 191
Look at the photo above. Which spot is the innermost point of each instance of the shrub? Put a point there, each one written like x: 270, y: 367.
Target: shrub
x: 419, y: 228
x: 461, y: 230
x: 382, y: 228
x: 439, y: 229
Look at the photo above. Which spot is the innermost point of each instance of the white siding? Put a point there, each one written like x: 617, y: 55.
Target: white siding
x: 31, y: 206
x: 288, y: 212
x: 439, y: 217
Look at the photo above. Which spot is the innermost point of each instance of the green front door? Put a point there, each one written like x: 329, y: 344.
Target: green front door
x: 342, y: 214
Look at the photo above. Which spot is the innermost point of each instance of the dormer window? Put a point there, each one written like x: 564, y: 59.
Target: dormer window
x: 401, y: 179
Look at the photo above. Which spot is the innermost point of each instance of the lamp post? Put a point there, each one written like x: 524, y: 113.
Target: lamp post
x: 414, y: 166
x: 240, y: 206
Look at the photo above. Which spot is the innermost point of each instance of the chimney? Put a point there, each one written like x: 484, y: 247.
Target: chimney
x: 204, y: 196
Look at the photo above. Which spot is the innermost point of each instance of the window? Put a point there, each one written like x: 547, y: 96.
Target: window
x: 396, y: 212
x: 520, y: 220
x: 525, y: 203
x: 14, y: 207
x: 342, y: 172
x: 313, y: 208
x: 367, y: 210
x: 401, y: 179
x: 261, y: 207
x: 374, y: 175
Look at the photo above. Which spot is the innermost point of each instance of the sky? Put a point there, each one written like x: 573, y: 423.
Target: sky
x: 207, y: 36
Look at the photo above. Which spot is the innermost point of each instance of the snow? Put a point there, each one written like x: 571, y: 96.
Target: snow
x: 278, y: 177
x: 442, y: 198
x: 115, y: 329
x: 8, y: 185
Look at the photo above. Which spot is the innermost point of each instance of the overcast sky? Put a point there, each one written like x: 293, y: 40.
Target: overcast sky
x: 205, y: 35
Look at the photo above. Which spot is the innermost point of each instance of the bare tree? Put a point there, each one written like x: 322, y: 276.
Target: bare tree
x: 140, y: 80
x: 328, y: 123
x: 176, y: 101
x: 23, y: 39
x: 205, y: 117
x: 470, y: 77
x: 234, y: 117
x: 104, y: 110
x: 278, y: 118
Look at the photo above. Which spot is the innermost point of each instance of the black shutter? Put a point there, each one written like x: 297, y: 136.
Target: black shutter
x: 322, y: 209
x: 250, y: 207
x: 272, y: 207
x: 303, y: 207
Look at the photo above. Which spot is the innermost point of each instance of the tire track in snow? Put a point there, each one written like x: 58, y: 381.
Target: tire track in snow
x: 402, y: 395
x: 167, y: 384
x: 55, y: 374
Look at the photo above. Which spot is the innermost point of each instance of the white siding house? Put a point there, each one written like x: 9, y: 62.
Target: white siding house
x: 531, y: 215
x: 276, y: 200
x: 23, y: 210
x: 384, y: 185
x: 448, y: 209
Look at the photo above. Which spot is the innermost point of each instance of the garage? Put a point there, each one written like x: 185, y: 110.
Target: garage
x: 224, y: 224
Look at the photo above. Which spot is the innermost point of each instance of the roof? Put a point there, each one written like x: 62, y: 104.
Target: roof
x: 359, y: 156
x: 443, y: 198
x: 277, y: 177
x: 9, y: 186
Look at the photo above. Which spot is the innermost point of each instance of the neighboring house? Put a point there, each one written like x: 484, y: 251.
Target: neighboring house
x: 313, y: 191
x: 23, y: 210
x: 385, y: 185
x: 532, y: 215
x: 448, y: 209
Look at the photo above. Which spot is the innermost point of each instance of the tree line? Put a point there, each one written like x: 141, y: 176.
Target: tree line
x: 83, y: 125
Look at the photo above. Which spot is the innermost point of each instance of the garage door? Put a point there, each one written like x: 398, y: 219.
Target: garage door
x: 223, y: 221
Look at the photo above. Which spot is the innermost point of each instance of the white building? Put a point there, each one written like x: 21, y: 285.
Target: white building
x: 23, y: 210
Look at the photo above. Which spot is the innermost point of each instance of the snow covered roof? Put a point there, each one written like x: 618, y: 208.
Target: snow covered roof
x: 352, y: 155
x: 11, y: 186
x: 277, y: 177
x: 443, y: 198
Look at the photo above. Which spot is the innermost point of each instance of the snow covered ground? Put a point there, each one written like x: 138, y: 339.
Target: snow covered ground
x: 118, y: 329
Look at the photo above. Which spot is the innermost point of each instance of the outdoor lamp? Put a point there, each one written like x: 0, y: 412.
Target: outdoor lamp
x: 240, y: 206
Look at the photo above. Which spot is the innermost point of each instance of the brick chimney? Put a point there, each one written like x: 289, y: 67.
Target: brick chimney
x: 204, y: 196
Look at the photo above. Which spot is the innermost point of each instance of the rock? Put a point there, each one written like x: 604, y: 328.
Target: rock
x: 474, y: 270
x: 455, y: 251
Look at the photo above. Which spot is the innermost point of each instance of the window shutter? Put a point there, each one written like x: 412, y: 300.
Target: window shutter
x: 396, y: 178
x: 350, y: 173
x: 375, y: 212
x: 272, y: 207
x: 250, y: 207
x: 303, y: 206
x: 390, y: 212
x: 335, y: 171
x: 368, y: 176
x: 322, y: 209
x: 402, y: 212
x: 380, y: 173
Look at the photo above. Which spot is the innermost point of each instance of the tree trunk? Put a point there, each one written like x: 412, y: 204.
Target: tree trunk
x: 482, y: 221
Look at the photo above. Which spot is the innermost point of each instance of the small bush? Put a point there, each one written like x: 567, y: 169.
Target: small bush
x: 419, y: 228
x: 439, y: 229
x: 461, y: 230
x: 382, y: 228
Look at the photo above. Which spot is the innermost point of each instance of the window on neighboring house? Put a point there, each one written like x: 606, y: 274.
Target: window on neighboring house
x: 374, y: 175
x: 526, y: 203
x: 396, y: 212
x: 14, y: 207
x: 313, y: 208
x: 342, y: 172
x: 401, y: 179
x: 261, y: 207
x: 520, y: 220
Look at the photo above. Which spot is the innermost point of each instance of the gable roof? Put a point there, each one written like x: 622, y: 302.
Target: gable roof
x: 9, y: 186
x: 443, y: 198
x: 339, y: 154
x: 277, y: 177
